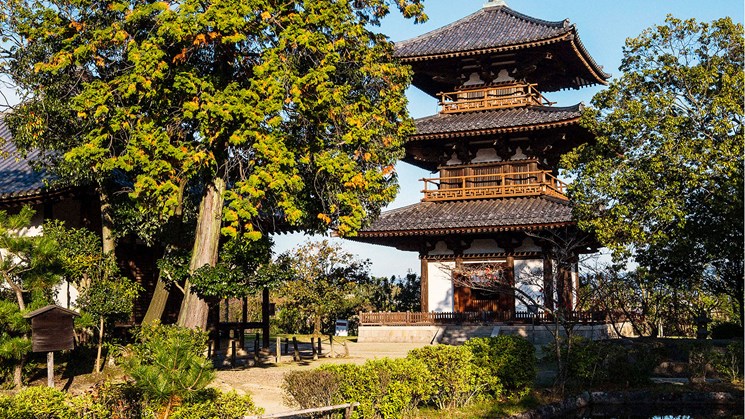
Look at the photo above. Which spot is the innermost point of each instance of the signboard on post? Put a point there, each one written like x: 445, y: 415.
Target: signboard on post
x: 51, y: 330
x: 342, y: 327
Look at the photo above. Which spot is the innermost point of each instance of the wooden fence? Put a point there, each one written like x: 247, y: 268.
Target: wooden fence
x: 433, y: 318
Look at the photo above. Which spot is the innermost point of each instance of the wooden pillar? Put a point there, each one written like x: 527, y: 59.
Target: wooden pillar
x: 509, y: 296
x: 265, y: 318
x: 424, y: 286
x: 548, y: 281
x: 564, y: 286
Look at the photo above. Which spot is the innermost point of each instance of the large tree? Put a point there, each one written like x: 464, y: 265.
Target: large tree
x: 272, y: 111
x: 663, y: 183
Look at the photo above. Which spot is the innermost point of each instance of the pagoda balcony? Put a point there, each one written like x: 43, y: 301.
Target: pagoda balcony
x: 498, y: 185
x: 501, y: 96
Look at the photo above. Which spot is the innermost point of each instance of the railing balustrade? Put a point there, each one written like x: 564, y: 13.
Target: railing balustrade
x: 474, y: 317
x: 493, y: 185
x: 492, y: 97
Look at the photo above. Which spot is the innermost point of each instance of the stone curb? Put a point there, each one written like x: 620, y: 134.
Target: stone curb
x: 628, y: 397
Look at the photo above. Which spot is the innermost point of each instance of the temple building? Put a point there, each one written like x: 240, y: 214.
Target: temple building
x: 493, y: 148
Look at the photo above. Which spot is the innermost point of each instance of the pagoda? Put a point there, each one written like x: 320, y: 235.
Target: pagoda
x: 494, y: 148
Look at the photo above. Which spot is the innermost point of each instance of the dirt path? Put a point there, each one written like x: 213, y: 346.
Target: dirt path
x: 264, y: 382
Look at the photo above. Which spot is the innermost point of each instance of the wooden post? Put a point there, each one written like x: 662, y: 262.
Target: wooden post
x: 232, y: 355
x: 50, y: 369
x: 424, y: 285
x: 296, y: 352
x: 256, y: 346
x: 278, y: 358
x: 319, y: 346
x: 331, y: 345
x: 209, y: 349
x: 244, y: 319
x: 287, y: 346
x: 313, y: 348
x: 265, y: 317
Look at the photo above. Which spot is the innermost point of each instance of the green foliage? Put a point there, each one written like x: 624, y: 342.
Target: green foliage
x: 454, y: 377
x: 385, y: 388
x: 614, y: 362
x: 729, y: 362
x: 663, y: 182
x: 327, y: 283
x: 48, y: 403
x: 396, y: 293
x: 312, y: 388
x: 168, y: 363
x: 212, y: 404
x: 29, y: 263
x: 508, y: 363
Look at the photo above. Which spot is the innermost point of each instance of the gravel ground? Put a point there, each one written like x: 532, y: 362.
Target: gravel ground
x: 264, y: 382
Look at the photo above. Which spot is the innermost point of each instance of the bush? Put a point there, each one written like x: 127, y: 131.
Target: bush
x: 508, y: 364
x: 49, y: 403
x: 454, y: 378
x: 168, y: 363
x: 313, y: 388
x: 726, y: 330
x: 728, y: 363
x: 607, y: 362
x: 385, y: 388
x: 212, y: 404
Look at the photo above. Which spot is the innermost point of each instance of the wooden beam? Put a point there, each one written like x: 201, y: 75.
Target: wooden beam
x: 424, y: 286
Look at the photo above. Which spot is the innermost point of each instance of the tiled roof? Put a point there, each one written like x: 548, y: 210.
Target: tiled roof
x: 507, y: 120
x: 17, y: 178
x: 488, y: 28
x: 475, y: 216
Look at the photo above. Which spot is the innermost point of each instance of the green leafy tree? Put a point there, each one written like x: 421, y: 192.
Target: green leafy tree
x: 288, y: 113
x: 14, y: 341
x: 327, y: 283
x: 168, y: 364
x: 663, y: 183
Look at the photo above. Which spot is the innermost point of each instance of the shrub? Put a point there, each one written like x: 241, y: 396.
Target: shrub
x: 726, y: 330
x: 729, y: 362
x: 454, y: 378
x: 609, y: 361
x: 212, y: 404
x: 508, y: 364
x: 385, y: 388
x: 37, y: 403
x: 312, y: 388
x: 168, y: 363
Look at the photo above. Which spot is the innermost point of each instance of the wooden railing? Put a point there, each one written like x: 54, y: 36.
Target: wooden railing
x: 432, y: 318
x: 492, y: 97
x: 500, y: 185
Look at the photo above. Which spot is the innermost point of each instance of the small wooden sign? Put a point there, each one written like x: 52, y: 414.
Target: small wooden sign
x: 52, y: 328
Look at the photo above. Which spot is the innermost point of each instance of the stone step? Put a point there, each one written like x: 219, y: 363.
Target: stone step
x: 457, y: 335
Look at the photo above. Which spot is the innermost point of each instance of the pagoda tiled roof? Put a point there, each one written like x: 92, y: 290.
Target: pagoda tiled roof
x: 495, y: 121
x: 490, y: 27
x: 471, y: 216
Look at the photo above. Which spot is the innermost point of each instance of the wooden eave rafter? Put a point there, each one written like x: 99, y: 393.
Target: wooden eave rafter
x: 477, y: 256
x: 462, y: 230
x: 36, y: 196
x: 570, y: 36
x: 491, y: 131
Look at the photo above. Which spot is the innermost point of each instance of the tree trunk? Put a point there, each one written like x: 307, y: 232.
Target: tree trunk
x: 18, y: 373
x: 100, y: 345
x: 107, y: 223
x: 194, y: 309
x: 157, y: 303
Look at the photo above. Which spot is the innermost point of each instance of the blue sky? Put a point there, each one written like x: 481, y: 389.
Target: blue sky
x: 603, y: 26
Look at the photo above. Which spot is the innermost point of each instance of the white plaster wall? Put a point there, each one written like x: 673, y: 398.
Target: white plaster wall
x: 441, y: 248
x: 528, y: 246
x: 65, y: 295
x: 483, y: 246
x: 486, y: 155
x: 440, y: 286
x: 529, y: 279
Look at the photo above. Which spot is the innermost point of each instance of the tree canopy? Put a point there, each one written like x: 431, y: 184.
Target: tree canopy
x: 663, y: 183
x: 278, y: 114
